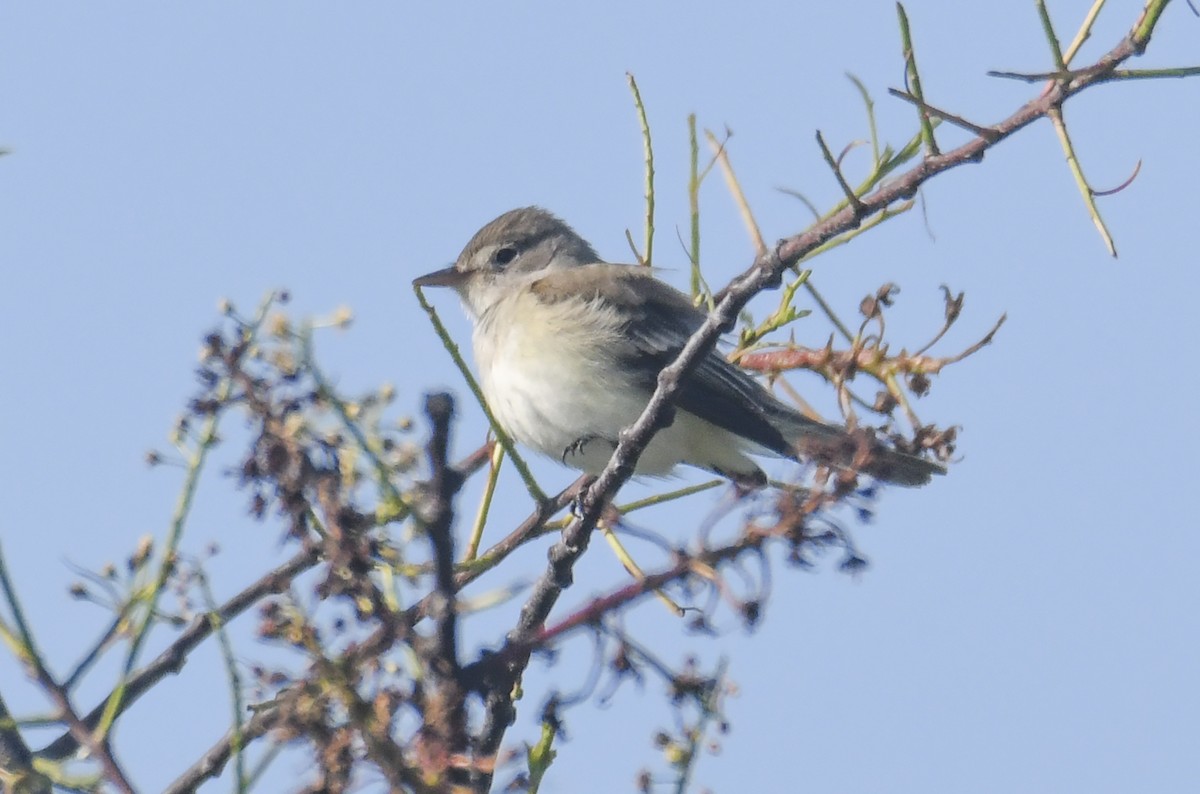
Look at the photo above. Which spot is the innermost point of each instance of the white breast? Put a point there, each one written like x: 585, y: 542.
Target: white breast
x: 550, y: 376
x: 542, y: 374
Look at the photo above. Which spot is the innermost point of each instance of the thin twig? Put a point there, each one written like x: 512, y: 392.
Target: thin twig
x: 1051, y: 36
x: 1085, y: 190
x: 871, y: 125
x: 647, y: 255
x: 510, y: 448
x: 1084, y: 32
x: 1115, y: 75
x: 213, y: 761
x: 633, y: 569
x: 694, y: 180
x: 913, y: 79
x: 721, y: 156
x: 175, y: 655
x: 958, y: 121
x: 237, y: 705
x: 485, y: 503
x: 860, y: 209
x: 383, y: 475
x: 208, y: 439
x: 766, y: 272
x: 32, y: 659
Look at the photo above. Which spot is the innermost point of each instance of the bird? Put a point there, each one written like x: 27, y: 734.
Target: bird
x: 569, y: 348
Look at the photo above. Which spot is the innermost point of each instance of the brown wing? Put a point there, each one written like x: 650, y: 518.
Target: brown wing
x: 660, y: 319
x: 659, y: 322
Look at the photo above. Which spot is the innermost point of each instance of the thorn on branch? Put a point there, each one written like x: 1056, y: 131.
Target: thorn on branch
x: 987, y: 133
x: 1113, y: 191
x: 1060, y: 75
x: 860, y: 209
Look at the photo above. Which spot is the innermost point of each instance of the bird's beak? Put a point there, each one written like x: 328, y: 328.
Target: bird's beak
x: 447, y: 277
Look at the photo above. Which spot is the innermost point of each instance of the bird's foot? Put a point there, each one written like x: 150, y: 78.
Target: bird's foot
x: 577, y: 447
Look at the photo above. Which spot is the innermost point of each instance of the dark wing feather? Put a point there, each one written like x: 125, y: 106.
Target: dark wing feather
x: 660, y: 320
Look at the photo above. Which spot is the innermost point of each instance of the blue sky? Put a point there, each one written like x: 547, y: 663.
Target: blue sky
x: 1028, y: 623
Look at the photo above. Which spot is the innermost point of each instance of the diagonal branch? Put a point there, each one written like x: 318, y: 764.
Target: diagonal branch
x: 212, y: 762
x: 27, y: 653
x: 766, y: 272
x: 172, y: 659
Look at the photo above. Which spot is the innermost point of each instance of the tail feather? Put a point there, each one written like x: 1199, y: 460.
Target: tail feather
x: 901, y: 468
x: 860, y: 450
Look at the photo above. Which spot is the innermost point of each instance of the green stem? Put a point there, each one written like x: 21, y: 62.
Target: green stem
x: 914, y: 81
x: 648, y: 153
x: 183, y: 507
x: 505, y: 441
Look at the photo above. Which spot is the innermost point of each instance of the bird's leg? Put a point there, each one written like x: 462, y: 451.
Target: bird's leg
x: 744, y: 483
x: 577, y: 446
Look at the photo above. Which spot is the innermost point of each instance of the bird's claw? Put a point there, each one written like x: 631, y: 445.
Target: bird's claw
x: 577, y: 446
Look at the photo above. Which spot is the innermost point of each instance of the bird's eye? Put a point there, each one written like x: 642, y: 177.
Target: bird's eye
x: 504, y: 255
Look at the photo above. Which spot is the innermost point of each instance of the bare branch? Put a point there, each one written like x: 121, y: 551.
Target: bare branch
x: 212, y: 762
x: 446, y: 725
x: 173, y: 658
x: 31, y: 658
x: 958, y: 121
x: 855, y: 202
x: 765, y: 273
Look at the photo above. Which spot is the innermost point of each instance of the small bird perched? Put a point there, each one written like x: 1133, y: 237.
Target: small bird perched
x: 569, y: 349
